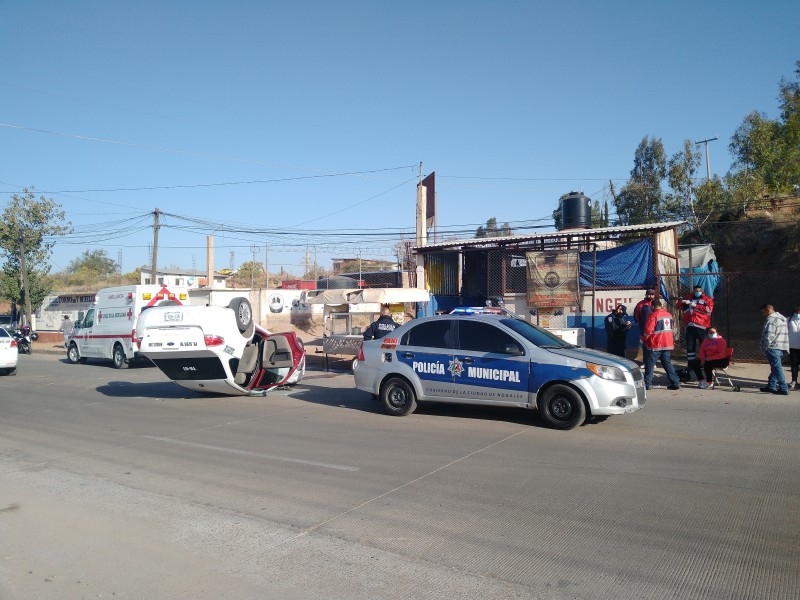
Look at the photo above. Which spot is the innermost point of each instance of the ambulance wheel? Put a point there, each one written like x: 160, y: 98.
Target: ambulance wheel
x: 398, y: 397
x: 561, y: 407
x: 118, y: 356
x: 11, y: 371
x: 73, y: 355
x: 244, y: 313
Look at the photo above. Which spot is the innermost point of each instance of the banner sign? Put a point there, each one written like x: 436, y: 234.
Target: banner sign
x: 553, y: 279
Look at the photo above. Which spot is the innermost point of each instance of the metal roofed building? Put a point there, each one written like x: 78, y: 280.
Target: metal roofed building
x: 556, y: 279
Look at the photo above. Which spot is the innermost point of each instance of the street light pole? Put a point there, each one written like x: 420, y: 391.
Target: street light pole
x: 708, y: 166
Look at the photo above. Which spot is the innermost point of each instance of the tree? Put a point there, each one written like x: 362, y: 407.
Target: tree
x: 492, y: 230
x: 93, y: 265
x: 767, y: 151
x: 641, y: 199
x: 39, y: 284
x: 27, y: 228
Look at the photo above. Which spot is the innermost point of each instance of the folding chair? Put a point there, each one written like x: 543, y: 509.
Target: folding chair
x: 724, y: 371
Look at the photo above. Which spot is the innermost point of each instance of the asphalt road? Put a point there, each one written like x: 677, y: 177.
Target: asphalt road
x: 121, y: 484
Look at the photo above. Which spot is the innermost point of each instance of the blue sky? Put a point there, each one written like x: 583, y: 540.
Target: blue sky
x: 301, y: 125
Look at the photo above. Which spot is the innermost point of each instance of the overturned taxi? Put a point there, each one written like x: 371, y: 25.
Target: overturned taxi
x: 496, y: 360
x: 219, y: 349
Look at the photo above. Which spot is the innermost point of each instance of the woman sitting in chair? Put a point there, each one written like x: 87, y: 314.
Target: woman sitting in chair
x: 713, y: 355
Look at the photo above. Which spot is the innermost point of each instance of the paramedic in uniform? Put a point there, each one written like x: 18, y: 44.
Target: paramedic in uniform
x: 697, y: 308
x: 657, y: 338
x: 383, y: 326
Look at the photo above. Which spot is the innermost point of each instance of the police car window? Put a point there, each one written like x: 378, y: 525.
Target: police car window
x: 429, y: 334
x: 484, y: 337
x: 540, y: 337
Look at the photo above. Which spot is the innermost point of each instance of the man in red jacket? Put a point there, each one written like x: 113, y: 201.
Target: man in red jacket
x: 658, y: 340
x: 697, y: 308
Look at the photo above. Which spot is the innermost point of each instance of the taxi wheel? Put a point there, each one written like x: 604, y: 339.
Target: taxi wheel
x: 118, y: 356
x: 561, y: 407
x: 73, y: 355
x: 398, y: 397
x: 243, y: 311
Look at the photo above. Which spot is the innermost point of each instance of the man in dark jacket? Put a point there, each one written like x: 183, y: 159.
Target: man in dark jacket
x: 617, y: 331
x: 383, y: 326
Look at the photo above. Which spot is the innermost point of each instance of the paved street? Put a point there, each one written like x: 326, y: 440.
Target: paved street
x: 117, y: 483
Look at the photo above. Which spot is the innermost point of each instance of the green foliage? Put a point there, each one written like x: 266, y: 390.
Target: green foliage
x: 250, y: 274
x: 28, y: 227
x: 767, y: 151
x: 32, y: 224
x: 91, y: 266
x: 133, y: 277
x: 40, y: 284
x: 492, y: 230
x: 641, y: 199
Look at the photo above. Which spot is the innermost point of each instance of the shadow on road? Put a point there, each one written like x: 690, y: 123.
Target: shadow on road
x: 353, y: 399
x: 159, y: 389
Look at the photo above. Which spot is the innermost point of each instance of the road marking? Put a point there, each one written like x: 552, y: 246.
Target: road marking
x: 313, y: 528
x: 254, y: 454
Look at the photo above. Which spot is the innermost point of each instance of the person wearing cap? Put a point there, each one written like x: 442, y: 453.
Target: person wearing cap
x: 617, y: 327
x: 697, y: 308
x: 645, y: 305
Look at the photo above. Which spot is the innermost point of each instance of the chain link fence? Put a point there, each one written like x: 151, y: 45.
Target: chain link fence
x: 500, y: 276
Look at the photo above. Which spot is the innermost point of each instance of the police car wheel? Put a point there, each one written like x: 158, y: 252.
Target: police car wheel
x: 72, y: 354
x: 118, y: 356
x: 398, y: 397
x: 561, y: 407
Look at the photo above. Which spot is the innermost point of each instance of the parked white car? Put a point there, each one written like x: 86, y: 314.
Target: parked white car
x: 219, y: 349
x: 8, y: 353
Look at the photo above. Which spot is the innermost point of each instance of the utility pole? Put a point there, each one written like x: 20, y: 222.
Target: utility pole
x: 23, y: 271
x: 266, y: 263
x: 153, y: 267
x: 254, y: 249
x: 708, y: 166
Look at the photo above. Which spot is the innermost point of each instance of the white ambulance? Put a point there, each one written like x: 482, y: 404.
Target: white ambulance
x: 108, y: 330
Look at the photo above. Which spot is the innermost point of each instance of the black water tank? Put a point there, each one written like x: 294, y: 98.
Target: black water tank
x: 337, y: 282
x: 576, y: 211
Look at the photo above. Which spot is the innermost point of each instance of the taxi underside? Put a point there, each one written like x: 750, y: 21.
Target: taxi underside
x: 265, y: 362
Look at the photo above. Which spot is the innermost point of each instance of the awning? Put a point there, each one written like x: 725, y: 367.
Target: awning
x: 371, y: 295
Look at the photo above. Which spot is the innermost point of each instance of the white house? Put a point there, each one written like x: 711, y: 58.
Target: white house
x: 183, y: 277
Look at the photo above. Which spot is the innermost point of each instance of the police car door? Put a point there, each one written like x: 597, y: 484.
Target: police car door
x: 427, y: 349
x: 493, y: 365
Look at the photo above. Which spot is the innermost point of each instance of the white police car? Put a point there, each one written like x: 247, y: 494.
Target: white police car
x: 496, y: 360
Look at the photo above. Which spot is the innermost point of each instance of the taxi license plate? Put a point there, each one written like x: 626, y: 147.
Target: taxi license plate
x: 172, y: 317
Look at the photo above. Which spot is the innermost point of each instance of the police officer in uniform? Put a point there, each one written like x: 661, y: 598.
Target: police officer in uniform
x: 383, y: 326
x: 617, y: 328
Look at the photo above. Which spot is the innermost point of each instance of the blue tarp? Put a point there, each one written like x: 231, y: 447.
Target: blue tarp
x: 629, y: 266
